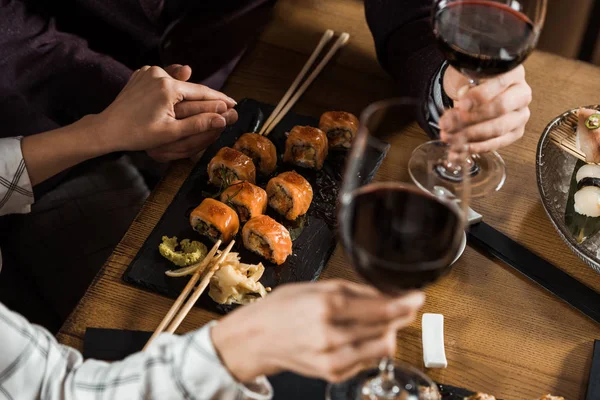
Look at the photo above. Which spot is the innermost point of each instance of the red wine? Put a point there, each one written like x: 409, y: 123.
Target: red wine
x: 400, y: 238
x: 483, y: 38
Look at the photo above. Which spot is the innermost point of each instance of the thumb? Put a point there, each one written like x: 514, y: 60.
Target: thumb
x: 180, y: 72
x: 200, y: 123
x: 453, y: 82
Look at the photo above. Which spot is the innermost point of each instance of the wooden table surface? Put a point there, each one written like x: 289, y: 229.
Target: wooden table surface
x: 504, y: 334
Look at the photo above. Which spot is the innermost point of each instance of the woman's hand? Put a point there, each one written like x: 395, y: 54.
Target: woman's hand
x: 169, y: 118
x: 491, y: 115
x: 325, y: 330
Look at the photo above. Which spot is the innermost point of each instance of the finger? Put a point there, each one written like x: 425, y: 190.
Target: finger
x: 494, y: 128
x: 497, y: 142
x: 352, y: 288
x: 340, y: 362
x: 180, y: 72
x: 186, y: 109
x: 345, y: 334
x: 514, y: 98
x: 366, y: 310
x: 193, y: 91
x: 191, y: 144
x: 199, y: 123
x: 231, y: 116
x: 491, y: 88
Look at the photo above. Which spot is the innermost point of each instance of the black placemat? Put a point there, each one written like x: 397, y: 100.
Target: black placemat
x: 311, y: 249
x: 114, y: 345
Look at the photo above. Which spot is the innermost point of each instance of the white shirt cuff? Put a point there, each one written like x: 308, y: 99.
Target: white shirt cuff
x: 16, y: 193
x: 259, y: 389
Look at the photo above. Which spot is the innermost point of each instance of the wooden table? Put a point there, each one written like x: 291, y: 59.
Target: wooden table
x: 504, y: 334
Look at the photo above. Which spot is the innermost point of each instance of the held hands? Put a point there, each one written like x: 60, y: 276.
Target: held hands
x: 326, y: 330
x: 489, y: 116
x: 158, y: 111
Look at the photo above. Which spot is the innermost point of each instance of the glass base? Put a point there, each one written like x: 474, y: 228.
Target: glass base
x: 413, y: 386
x: 428, y: 171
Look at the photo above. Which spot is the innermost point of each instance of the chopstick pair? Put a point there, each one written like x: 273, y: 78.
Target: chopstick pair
x: 291, y: 96
x: 171, y: 317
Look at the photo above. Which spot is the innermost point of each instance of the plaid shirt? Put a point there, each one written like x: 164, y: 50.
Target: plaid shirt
x: 33, y: 365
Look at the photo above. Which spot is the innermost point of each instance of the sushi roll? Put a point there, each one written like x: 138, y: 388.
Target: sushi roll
x: 215, y: 220
x: 306, y: 147
x: 587, y: 197
x: 230, y: 165
x: 340, y: 128
x: 267, y: 238
x: 290, y: 194
x: 246, y: 199
x: 260, y: 149
x: 588, y: 134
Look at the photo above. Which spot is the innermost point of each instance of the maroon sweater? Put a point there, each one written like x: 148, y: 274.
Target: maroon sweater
x: 60, y: 60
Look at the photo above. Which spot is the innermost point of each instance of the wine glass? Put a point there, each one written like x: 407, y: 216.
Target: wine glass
x: 397, y: 236
x: 481, y: 39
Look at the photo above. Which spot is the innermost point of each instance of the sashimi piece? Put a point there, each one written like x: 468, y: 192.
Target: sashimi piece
x: 588, y: 140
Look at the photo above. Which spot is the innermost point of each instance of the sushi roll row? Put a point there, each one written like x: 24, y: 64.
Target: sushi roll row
x: 587, y: 197
x: 305, y: 146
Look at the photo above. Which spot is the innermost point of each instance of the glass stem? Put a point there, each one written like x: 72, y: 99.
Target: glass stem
x: 386, y: 369
x: 384, y: 386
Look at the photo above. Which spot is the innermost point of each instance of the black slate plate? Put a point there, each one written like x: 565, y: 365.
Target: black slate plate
x: 114, y: 345
x: 311, y: 249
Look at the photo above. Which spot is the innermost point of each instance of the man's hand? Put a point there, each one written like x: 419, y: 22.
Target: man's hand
x: 325, y: 330
x: 491, y: 115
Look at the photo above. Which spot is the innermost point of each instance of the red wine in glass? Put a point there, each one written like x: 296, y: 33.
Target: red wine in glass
x: 399, y: 237
x: 483, y: 38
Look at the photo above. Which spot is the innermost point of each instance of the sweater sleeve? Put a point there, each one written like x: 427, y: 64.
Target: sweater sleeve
x: 406, y: 47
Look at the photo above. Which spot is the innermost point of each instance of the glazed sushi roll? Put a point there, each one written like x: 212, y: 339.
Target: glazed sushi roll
x: 246, y: 199
x: 587, y: 197
x: 340, y: 128
x: 230, y: 165
x: 306, y: 147
x: 260, y: 149
x: 215, y: 220
x: 290, y: 194
x: 267, y: 238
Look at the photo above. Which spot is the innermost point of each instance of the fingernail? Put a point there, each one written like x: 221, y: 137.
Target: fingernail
x: 217, y: 123
x: 232, y: 100
x: 221, y: 108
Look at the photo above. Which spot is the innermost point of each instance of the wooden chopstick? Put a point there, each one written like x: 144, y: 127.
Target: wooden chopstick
x: 342, y: 40
x: 324, y: 40
x: 184, y: 294
x: 199, y: 290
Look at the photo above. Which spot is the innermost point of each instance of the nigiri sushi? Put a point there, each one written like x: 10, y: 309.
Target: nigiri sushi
x: 587, y: 197
x: 588, y: 134
x: 340, y: 128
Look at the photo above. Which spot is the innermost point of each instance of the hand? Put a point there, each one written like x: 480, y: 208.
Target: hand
x: 489, y: 116
x: 190, y: 147
x: 325, y: 330
x: 151, y: 112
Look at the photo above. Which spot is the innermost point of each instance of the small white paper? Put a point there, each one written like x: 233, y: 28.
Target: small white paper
x: 434, y: 354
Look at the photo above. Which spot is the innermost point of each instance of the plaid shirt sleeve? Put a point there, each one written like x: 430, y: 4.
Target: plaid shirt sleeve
x: 16, y: 195
x: 33, y: 366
